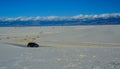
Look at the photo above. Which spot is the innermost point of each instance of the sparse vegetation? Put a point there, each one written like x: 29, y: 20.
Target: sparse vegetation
x: 33, y: 39
x: 38, y: 36
x: 25, y: 39
x: 8, y: 37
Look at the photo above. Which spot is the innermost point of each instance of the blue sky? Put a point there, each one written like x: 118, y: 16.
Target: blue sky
x: 15, y: 8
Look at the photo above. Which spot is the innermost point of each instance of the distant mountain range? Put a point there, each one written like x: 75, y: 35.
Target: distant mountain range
x: 101, y: 19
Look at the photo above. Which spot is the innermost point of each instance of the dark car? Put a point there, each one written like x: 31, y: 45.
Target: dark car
x: 32, y: 44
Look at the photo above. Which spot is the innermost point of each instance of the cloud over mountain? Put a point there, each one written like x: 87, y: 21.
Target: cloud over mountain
x: 81, y: 19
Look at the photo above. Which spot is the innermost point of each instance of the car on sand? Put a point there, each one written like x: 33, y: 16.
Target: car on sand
x: 32, y: 44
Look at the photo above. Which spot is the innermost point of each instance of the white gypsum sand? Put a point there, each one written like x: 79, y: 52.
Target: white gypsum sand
x: 75, y: 36
x: 61, y: 47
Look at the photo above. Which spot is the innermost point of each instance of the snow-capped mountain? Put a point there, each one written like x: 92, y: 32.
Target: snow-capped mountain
x: 101, y: 19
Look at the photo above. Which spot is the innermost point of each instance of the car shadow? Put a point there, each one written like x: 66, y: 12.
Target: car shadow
x: 22, y: 45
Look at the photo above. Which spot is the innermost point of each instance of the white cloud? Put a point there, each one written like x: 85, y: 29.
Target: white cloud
x: 81, y: 16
